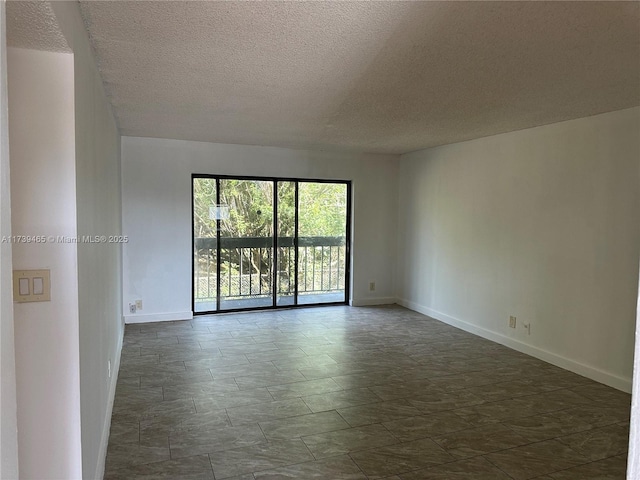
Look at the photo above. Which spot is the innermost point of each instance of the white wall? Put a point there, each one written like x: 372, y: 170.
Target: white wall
x: 8, y: 420
x: 42, y: 143
x: 541, y: 224
x: 156, y: 206
x: 97, y: 190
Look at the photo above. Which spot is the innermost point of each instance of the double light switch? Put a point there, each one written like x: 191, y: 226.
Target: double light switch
x: 31, y: 286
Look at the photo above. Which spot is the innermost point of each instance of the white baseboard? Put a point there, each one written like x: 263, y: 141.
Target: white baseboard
x: 366, y: 302
x: 158, y: 317
x: 610, y: 379
x: 106, y: 428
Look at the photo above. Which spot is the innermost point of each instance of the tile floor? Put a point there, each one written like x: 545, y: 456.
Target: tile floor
x: 352, y: 393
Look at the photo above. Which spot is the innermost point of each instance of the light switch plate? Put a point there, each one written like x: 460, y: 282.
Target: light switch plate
x: 31, y: 286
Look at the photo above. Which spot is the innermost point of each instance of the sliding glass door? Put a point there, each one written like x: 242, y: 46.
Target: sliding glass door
x: 205, y: 244
x: 246, y: 244
x: 322, y: 250
x: 285, y: 242
x: 266, y: 243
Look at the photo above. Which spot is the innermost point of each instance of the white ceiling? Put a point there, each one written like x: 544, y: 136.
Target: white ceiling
x: 369, y: 76
x: 34, y: 25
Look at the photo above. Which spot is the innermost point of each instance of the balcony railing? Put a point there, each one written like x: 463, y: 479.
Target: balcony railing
x: 246, y: 267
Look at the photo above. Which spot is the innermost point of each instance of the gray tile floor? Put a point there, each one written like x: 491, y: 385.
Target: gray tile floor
x: 352, y: 393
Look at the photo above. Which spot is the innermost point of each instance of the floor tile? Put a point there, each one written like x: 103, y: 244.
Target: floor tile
x: 613, y: 468
x: 340, y: 399
x: 492, y: 392
x: 305, y: 388
x: 132, y: 360
x: 124, y: 432
x: 436, y: 401
x: 400, y: 458
x: 413, y: 428
x: 599, y: 443
x: 548, y: 425
x: 344, y: 441
x: 331, y: 370
x: 127, y: 383
x: 206, y: 361
x: 139, y: 411
x: 170, y: 379
x: 210, y: 419
x: 184, y: 443
x: 342, y: 392
x: 173, y: 348
x: 480, y: 440
x: 232, y: 399
x: 406, y: 389
x: 247, y: 348
x: 255, y: 458
x: 478, y: 383
x: 476, y: 468
x: 273, y: 355
x: 126, y: 455
x: 126, y: 396
x: 269, y: 379
x: 598, y: 415
x: 536, y: 459
x: 304, y: 362
x: 220, y: 372
x: 190, y: 468
x: 200, y: 389
x: 295, y: 427
x: 378, y: 412
x: 150, y: 340
x: 155, y: 431
x: 604, y: 394
x: 334, y: 468
x: 262, y: 412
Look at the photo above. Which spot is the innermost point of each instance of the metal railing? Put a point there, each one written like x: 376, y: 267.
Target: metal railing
x: 246, y: 266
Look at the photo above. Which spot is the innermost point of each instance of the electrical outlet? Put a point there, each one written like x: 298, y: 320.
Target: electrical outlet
x: 372, y: 286
x: 527, y: 327
x: 512, y: 321
x: 132, y: 308
x: 109, y: 368
x: 139, y: 304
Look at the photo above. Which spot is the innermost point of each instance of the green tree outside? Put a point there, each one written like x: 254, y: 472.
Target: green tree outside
x: 322, y: 213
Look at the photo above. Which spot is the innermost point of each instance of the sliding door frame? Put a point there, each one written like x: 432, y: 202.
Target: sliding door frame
x: 274, y: 289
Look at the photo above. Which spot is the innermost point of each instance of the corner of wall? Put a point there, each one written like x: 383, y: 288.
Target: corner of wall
x: 594, y: 373
x: 369, y: 302
x: 104, y: 442
x: 8, y: 425
x: 158, y: 317
x: 540, y: 223
x: 633, y: 470
x: 98, y: 148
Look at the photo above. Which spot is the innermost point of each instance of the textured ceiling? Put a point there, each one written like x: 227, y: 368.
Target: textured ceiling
x: 32, y: 24
x: 369, y: 76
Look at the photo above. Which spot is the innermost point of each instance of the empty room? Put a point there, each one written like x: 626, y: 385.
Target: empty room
x: 334, y: 240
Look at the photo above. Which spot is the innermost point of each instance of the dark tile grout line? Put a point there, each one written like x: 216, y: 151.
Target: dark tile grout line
x: 496, y: 466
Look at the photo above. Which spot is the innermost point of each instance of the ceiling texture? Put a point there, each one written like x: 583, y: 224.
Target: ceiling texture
x: 388, y: 77
x: 33, y: 25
